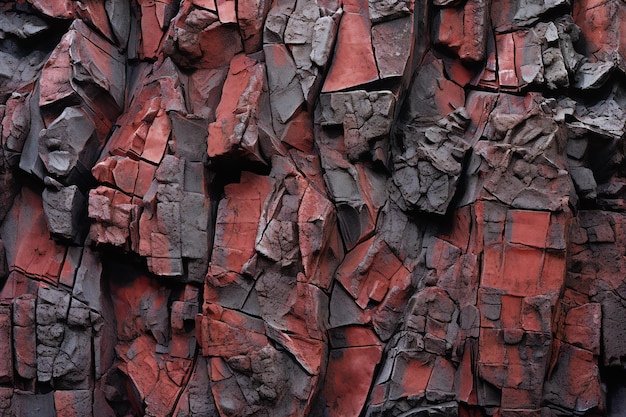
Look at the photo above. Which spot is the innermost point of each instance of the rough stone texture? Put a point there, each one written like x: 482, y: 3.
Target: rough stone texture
x: 312, y: 208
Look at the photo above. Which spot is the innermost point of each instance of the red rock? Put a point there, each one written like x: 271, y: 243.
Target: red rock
x: 151, y: 30
x: 154, y: 377
x: 428, y: 101
x: 145, y: 176
x: 353, y: 45
x: 459, y: 232
x: 201, y: 40
x: 464, y: 380
x: 514, y: 398
x: 125, y: 174
x: 536, y: 312
x: 492, y: 266
x: 93, y: 12
x: 116, y: 216
x: 299, y: 132
x: 16, y: 124
x: 353, y: 336
x: 57, y: 73
x: 366, y: 271
x: 602, y: 27
x: 235, y: 128
x: 139, y: 307
x: 6, y: 395
x: 582, y: 327
x: 411, y: 376
x: 58, y: 9
x: 231, y: 335
x: 35, y: 254
x: 250, y: 17
x: 309, y: 353
x: 441, y: 381
x: 315, y: 218
x: 156, y: 138
x: 528, y: 227
x: 449, y: 24
x: 553, y: 272
x: 575, y: 382
x: 463, y: 30
x: 146, y: 128
x: 234, y: 223
x: 522, y: 270
x: 105, y: 73
x: 205, y: 4
x: 475, y: 28
x: 506, y: 48
x: 226, y: 11
x: 348, y: 378
x: 502, y: 14
x: 73, y: 403
x: 510, y: 316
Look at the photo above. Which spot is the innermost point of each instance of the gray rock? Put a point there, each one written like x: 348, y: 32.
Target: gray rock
x: 16, y: 123
x: 87, y: 286
x: 392, y: 43
x: 388, y: 9
x: 323, y: 39
x: 194, y: 216
x: 30, y: 161
x: 118, y: 12
x: 72, y: 365
x: 65, y: 212
x: 69, y: 142
x: 366, y: 117
x: 584, y: 182
x: 79, y: 314
x: 98, y: 70
x: 26, y: 404
x: 190, y: 136
x: 555, y: 71
x: 197, y: 398
x: 171, y: 170
x: 530, y: 11
x: 428, y: 170
x: 592, y: 75
x: 299, y: 29
x: 21, y: 25
x: 284, y: 85
x: 77, y: 402
x: 276, y: 21
x: 52, y: 305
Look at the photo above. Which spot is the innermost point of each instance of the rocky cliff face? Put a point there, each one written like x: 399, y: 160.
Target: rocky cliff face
x: 312, y: 208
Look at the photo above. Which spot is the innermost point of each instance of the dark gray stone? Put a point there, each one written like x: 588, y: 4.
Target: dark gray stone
x: 26, y: 404
x: 69, y: 142
x: 65, y: 212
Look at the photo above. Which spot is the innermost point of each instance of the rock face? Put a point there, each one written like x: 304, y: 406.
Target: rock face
x: 312, y: 208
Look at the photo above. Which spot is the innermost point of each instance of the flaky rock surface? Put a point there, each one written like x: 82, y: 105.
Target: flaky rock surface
x: 293, y: 208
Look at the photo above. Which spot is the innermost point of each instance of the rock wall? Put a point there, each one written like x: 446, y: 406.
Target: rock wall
x: 313, y: 208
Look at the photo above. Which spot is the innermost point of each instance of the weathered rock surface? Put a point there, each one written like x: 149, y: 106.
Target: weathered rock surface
x: 312, y: 208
